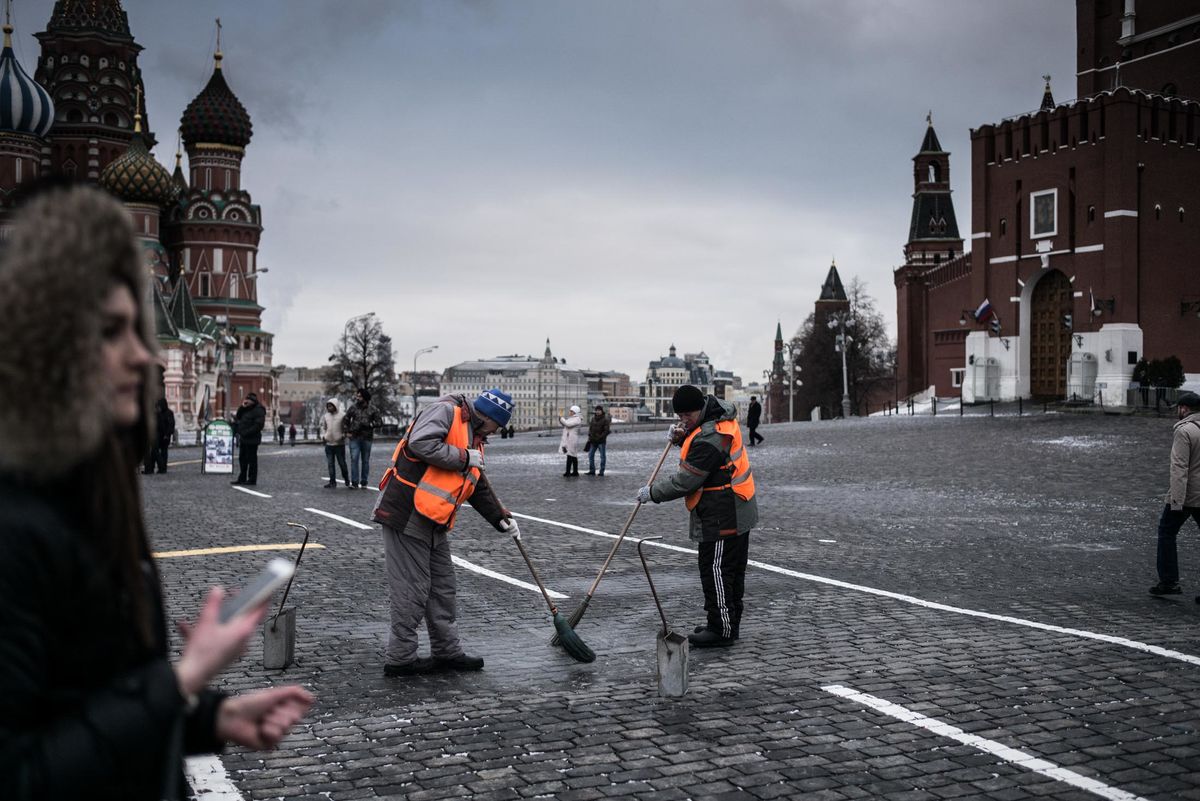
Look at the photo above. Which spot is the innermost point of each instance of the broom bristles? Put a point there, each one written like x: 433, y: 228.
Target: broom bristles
x: 570, y: 641
x: 573, y: 618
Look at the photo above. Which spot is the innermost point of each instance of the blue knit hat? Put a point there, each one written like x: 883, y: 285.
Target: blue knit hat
x: 496, y: 404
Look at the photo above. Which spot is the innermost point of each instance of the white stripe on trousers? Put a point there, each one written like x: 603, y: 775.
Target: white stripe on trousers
x: 719, y: 586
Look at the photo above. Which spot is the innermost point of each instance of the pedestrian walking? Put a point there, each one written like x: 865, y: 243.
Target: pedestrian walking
x: 335, y: 441
x: 360, y: 423
x: 434, y: 470
x: 715, y: 480
x: 160, y: 443
x: 279, y: 431
x: 569, y: 442
x: 1183, y: 494
x: 598, y: 430
x: 753, y: 417
x: 249, y: 422
x: 92, y: 706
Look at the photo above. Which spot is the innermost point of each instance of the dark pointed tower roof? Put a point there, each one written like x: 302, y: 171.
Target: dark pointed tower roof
x: 92, y: 16
x: 25, y: 107
x: 777, y: 363
x: 930, y: 143
x: 164, y: 326
x: 216, y: 116
x: 1047, y: 96
x: 178, y: 179
x: 832, y: 289
x: 183, y: 311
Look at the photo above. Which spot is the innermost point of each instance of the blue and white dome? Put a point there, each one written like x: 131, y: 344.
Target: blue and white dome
x: 25, y: 106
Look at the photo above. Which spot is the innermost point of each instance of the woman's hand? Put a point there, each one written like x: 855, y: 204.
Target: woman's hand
x: 212, y: 645
x: 262, y: 718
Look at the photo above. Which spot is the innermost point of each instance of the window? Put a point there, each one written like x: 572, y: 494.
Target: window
x: 233, y: 289
x: 1003, y: 226
x: 1043, y: 213
x: 204, y: 285
x: 1091, y: 214
x: 956, y: 376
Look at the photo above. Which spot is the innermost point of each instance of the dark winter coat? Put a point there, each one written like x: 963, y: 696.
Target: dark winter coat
x: 599, y: 429
x: 360, y: 422
x: 426, y: 445
x: 753, y: 413
x: 164, y: 422
x: 706, y: 459
x: 249, y: 422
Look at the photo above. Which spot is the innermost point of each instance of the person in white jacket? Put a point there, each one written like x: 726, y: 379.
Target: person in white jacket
x: 335, y: 441
x: 569, y: 444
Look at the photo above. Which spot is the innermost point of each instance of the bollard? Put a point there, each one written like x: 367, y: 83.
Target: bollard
x: 960, y: 405
x: 933, y: 405
x: 991, y: 408
x: 1020, y: 406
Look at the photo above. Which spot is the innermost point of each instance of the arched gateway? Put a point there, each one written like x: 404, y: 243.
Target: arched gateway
x: 1049, y: 336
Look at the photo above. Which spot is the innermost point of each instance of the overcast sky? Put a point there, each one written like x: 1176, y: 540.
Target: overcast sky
x: 616, y: 175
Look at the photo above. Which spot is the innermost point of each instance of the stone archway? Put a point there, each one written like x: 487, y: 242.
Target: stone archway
x: 1049, y: 338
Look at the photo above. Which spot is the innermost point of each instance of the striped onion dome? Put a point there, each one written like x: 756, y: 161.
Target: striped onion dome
x: 136, y: 176
x: 25, y: 106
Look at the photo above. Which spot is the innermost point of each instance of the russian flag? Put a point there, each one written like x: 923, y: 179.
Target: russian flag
x: 984, y: 311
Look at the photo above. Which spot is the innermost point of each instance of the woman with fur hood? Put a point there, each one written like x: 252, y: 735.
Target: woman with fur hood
x: 569, y: 444
x: 91, y: 706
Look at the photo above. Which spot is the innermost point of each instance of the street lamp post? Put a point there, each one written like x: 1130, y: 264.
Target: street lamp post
x: 429, y: 349
x: 843, y: 339
x: 768, y: 377
x: 791, y: 348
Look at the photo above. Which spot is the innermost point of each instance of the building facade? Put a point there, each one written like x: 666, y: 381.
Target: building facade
x: 83, y: 117
x: 542, y: 389
x: 668, y: 373
x: 1084, y: 232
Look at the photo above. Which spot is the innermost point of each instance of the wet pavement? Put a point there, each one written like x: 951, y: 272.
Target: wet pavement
x: 937, y: 608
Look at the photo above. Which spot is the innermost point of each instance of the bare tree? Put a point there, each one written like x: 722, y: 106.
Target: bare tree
x: 869, y: 353
x: 363, y: 358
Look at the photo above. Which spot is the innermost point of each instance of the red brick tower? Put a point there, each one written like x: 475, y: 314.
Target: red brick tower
x: 89, y: 66
x: 214, y: 230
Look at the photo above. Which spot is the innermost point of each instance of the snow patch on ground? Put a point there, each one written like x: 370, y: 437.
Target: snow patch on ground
x: 1076, y: 442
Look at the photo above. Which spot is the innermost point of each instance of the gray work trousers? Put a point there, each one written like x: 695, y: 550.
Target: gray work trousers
x: 421, y: 586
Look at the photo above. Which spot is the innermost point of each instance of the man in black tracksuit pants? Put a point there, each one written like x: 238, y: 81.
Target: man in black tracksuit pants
x: 714, y: 474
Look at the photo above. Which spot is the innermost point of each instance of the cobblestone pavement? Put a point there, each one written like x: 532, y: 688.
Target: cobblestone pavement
x: 864, y: 670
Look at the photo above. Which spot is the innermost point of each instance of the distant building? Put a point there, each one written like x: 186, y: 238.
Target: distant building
x: 301, y: 391
x: 428, y: 385
x: 542, y: 389
x: 668, y: 373
x: 1083, y: 232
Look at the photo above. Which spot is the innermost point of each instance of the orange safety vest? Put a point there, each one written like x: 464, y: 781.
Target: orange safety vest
x: 741, y: 480
x: 439, y: 492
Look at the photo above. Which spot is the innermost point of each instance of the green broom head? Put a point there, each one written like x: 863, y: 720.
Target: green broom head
x: 574, y: 618
x: 570, y: 641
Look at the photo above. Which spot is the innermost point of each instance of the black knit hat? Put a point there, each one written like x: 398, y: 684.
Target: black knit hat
x: 687, y: 399
x: 1188, y: 399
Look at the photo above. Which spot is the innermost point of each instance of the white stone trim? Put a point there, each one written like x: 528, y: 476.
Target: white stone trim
x: 1001, y: 259
x: 1120, y: 213
x: 1089, y: 248
x: 982, y: 235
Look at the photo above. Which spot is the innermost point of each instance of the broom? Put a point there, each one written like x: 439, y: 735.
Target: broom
x: 578, y: 612
x: 567, y: 637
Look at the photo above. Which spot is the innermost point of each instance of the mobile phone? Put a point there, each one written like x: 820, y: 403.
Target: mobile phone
x: 273, y: 576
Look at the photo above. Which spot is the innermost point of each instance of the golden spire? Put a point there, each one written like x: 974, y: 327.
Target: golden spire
x: 137, y: 109
x: 929, y: 118
x: 217, y: 56
x: 8, y: 28
x: 179, y: 148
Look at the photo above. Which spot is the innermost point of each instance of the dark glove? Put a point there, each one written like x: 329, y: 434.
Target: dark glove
x: 564, y: 448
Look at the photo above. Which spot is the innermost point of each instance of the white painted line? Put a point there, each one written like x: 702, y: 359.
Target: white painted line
x: 339, y: 518
x: 1018, y: 621
x: 251, y: 492
x: 483, y: 571
x: 209, y: 779
x: 1018, y: 758
x: 828, y: 542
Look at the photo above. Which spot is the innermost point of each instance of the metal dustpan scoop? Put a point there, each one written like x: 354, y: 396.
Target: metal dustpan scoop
x: 672, y: 646
x: 279, y: 630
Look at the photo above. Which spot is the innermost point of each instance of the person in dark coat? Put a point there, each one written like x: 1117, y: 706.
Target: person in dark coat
x: 92, y: 708
x: 279, y: 433
x: 292, y: 435
x: 164, y: 429
x: 753, y: 417
x: 248, y: 423
x: 598, y: 430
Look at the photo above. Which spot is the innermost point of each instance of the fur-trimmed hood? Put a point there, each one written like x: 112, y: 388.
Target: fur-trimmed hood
x: 67, y: 248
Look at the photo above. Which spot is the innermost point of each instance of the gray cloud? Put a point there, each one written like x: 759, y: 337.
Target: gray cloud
x: 615, y: 175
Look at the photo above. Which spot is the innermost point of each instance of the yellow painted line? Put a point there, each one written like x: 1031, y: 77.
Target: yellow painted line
x: 279, y: 546
x: 190, y: 461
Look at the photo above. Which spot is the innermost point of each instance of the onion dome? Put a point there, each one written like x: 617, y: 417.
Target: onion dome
x: 216, y: 115
x: 25, y: 106
x: 136, y: 176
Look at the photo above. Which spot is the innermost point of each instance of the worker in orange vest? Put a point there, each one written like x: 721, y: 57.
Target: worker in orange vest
x: 715, y: 480
x: 437, y: 466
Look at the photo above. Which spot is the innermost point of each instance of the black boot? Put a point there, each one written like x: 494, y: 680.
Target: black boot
x: 422, y: 664
x: 460, y: 662
x: 707, y: 638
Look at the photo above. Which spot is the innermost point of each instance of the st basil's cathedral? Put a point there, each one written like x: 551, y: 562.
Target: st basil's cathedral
x: 83, y: 116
